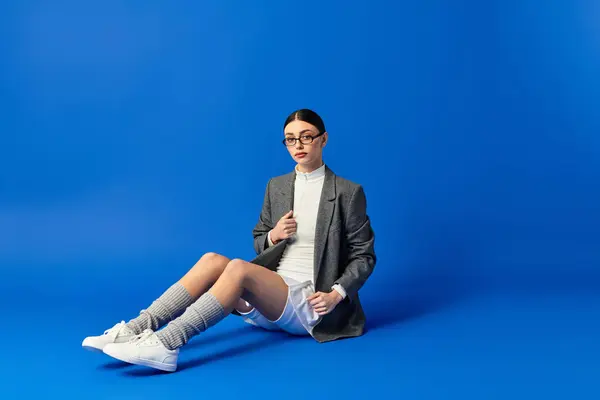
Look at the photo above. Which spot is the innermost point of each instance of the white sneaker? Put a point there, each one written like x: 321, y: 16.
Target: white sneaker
x: 117, y: 334
x: 145, y: 349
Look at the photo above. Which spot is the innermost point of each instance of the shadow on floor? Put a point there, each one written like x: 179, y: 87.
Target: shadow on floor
x: 444, y: 275
x: 202, y: 340
x: 266, y: 340
x: 415, y: 302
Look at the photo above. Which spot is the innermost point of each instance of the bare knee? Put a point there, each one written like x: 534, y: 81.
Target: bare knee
x: 212, y: 258
x: 236, y: 270
x: 212, y: 263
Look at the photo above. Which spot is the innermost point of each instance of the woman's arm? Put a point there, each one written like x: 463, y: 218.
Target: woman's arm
x: 264, y: 224
x: 360, y: 239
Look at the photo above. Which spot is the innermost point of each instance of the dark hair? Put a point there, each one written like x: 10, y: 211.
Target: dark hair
x: 306, y: 115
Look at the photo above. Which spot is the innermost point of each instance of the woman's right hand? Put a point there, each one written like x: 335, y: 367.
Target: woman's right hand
x: 285, y: 228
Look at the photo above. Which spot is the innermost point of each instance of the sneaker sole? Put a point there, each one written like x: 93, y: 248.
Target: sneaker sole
x: 92, y: 349
x: 146, y: 363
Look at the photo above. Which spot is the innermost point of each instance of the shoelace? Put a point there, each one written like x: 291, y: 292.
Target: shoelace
x: 114, y: 331
x: 141, y: 337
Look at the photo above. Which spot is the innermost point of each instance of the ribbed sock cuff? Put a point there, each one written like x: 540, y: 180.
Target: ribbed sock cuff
x: 198, y: 317
x: 172, y: 303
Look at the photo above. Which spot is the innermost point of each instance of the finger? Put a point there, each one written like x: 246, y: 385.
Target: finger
x: 288, y: 214
x: 312, y: 296
x: 319, y: 304
x: 321, y: 310
x: 289, y: 232
x: 316, y: 300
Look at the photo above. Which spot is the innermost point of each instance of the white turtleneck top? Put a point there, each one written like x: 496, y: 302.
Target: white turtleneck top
x: 297, y: 261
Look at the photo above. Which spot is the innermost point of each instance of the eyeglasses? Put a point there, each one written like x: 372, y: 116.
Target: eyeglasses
x: 304, y: 139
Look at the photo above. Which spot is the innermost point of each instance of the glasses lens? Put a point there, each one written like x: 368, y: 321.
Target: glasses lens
x: 306, y: 139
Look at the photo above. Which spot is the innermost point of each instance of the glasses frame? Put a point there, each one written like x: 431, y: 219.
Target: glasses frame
x: 296, y: 140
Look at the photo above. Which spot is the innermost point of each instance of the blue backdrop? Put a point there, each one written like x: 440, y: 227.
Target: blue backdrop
x: 138, y: 135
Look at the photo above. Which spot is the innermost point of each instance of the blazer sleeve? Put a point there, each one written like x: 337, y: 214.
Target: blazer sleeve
x: 264, y: 224
x: 360, y: 240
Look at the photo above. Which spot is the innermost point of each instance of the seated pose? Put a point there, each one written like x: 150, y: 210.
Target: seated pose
x: 315, y: 250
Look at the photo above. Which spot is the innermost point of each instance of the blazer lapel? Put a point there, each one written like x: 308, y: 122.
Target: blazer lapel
x: 287, y: 194
x: 326, y: 208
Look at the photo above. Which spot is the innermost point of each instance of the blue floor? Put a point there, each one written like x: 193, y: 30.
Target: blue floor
x: 500, y: 346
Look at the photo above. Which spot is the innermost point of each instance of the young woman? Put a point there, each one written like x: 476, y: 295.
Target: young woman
x: 315, y: 250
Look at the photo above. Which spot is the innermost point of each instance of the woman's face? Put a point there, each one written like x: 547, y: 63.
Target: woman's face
x: 305, y: 153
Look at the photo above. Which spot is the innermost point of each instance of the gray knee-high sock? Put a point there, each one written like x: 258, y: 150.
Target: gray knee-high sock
x: 198, y: 317
x: 167, y: 307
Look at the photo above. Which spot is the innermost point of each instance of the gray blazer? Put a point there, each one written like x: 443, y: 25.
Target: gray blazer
x: 344, y: 246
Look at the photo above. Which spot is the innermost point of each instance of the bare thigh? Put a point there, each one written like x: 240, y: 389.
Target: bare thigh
x: 264, y: 289
x: 204, y: 274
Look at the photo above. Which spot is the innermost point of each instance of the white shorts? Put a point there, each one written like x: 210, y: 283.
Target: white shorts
x: 297, y: 318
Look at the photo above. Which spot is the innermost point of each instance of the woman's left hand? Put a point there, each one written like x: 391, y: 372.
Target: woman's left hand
x: 324, y: 303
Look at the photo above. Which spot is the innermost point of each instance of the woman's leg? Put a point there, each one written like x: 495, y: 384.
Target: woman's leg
x: 181, y: 294
x: 262, y: 288
x: 171, y: 304
x: 204, y: 274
